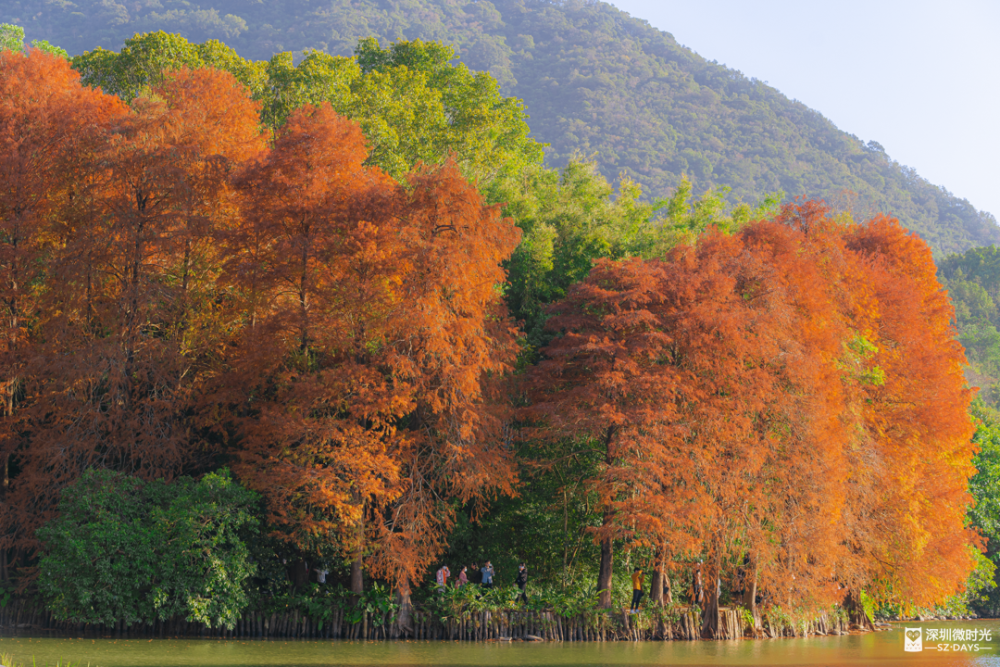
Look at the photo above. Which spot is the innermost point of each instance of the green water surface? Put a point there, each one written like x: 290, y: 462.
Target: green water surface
x: 882, y: 648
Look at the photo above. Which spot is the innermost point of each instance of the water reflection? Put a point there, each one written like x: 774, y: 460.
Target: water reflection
x: 882, y: 648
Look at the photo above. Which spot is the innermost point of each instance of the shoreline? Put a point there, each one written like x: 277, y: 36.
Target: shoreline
x: 679, y: 624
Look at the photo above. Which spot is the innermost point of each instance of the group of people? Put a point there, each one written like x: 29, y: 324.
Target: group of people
x: 482, y: 576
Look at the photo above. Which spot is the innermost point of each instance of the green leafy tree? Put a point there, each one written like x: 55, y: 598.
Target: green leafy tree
x: 486, y: 131
x: 43, y: 45
x: 985, y: 486
x: 317, y: 78
x: 686, y: 218
x: 547, y: 525
x: 570, y: 217
x: 983, y: 594
x: 973, y: 282
x: 143, y: 60
x: 11, y: 37
x: 133, y: 551
x: 412, y: 102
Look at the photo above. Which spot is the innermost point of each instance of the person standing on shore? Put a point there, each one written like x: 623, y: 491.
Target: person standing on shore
x: 442, y: 578
x: 637, y: 581
x: 488, y: 575
x: 463, y: 578
x: 697, y: 592
x: 522, y: 582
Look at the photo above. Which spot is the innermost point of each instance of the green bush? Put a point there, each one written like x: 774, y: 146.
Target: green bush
x: 127, y: 550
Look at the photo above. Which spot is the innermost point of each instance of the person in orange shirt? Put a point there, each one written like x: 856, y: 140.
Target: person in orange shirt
x: 637, y: 579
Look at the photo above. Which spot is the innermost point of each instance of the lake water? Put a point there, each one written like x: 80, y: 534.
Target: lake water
x: 881, y: 648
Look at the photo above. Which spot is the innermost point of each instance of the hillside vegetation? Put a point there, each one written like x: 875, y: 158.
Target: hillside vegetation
x: 596, y: 83
x: 973, y: 282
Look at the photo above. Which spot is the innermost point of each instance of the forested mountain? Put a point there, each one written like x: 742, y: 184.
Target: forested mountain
x: 596, y: 81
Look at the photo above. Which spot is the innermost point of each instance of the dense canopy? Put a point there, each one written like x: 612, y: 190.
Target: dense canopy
x: 392, y: 363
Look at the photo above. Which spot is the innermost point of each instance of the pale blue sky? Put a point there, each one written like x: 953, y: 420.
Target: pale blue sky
x: 921, y: 78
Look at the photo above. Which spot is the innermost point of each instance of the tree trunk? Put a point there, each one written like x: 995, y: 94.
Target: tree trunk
x: 565, y: 569
x: 750, y: 591
x: 856, y: 613
x: 656, y: 588
x: 604, y: 573
x: 4, y: 575
x: 656, y: 585
x: 357, y: 575
x: 404, y: 620
x: 710, y: 621
x: 304, y: 301
x: 9, y: 409
x: 357, y: 579
x: 298, y: 574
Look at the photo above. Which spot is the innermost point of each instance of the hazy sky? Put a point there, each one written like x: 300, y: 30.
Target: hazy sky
x: 921, y: 78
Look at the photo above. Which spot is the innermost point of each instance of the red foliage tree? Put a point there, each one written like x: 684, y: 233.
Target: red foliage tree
x: 116, y: 360
x: 908, y: 540
x: 609, y: 378
x: 747, y: 410
x: 45, y: 115
x: 700, y: 375
x: 753, y: 373
x: 374, y: 327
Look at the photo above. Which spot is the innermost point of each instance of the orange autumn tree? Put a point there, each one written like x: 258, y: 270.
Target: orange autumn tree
x: 697, y: 375
x: 786, y: 402
x: 373, y: 335
x: 763, y: 412
x: 609, y: 379
x: 45, y: 115
x: 455, y: 349
x: 909, y: 450
x: 123, y: 340
x: 316, y: 264
x: 907, y: 535
x: 755, y: 369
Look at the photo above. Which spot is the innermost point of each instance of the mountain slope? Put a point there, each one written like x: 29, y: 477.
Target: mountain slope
x: 596, y: 82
